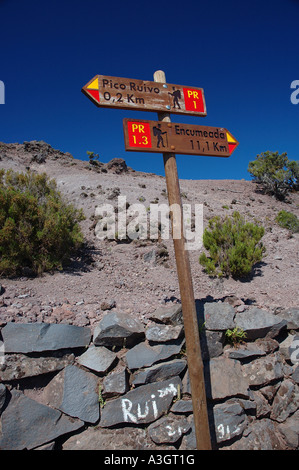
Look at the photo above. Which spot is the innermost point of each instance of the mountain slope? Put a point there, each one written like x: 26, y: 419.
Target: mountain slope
x: 137, y: 277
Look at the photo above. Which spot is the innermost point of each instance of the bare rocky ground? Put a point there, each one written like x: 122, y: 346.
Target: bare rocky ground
x: 138, y: 277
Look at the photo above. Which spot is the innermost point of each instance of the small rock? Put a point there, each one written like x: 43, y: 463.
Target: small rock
x: 2, y: 396
x: 268, y: 345
x: 286, y: 401
x: 295, y: 375
x: 264, y: 370
x: 115, y: 329
x: 117, y: 165
x: 97, y: 358
x: 27, y: 424
x: 19, y: 366
x: 161, y: 371
x: 142, y: 405
x: 116, y: 383
x: 269, y: 391
x: 108, y: 305
x: 261, y: 435
x: 291, y: 315
x: 150, y: 256
x: 258, y: 323
x: 234, y: 301
x: 290, y: 430
x: 81, y: 320
x: 36, y: 337
x: 211, y: 343
x: 168, y: 315
x: 162, y: 333
x: 230, y: 421
x: 99, y: 265
x: 168, y: 429
x: 182, y: 406
x: 289, y: 347
x: 114, y: 193
x: 75, y: 392
x: 226, y: 379
x: 263, y: 408
x: 219, y: 316
x: 246, y: 351
x: 145, y: 356
x: 189, y: 439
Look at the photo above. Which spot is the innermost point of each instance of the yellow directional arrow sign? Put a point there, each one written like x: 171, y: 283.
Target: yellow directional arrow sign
x: 170, y: 137
x: 126, y: 93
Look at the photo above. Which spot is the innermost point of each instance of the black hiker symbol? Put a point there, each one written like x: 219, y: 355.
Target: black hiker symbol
x: 158, y: 133
x: 176, y: 97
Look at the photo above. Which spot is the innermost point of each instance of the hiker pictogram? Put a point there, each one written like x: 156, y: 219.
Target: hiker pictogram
x: 119, y: 92
x: 157, y: 131
x: 176, y: 97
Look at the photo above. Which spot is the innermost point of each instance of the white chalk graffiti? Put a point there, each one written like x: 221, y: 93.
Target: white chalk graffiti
x: 171, y: 389
x: 224, y: 432
x: 171, y: 430
x: 128, y: 415
x: 150, y: 405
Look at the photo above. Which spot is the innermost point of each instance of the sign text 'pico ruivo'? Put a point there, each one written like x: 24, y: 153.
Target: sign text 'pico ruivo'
x: 170, y: 137
x: 142, y: 95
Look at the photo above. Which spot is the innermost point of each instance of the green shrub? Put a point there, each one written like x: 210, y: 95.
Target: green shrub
x: 93, y: 158
x: 288, y: 220
x: 276, y: 174
x: 235, y: 336
x: 38, y: 229
x: 234, y: 246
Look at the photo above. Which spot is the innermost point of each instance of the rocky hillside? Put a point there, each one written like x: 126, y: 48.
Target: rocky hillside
x: 136, y: 278
x: 121, y: 298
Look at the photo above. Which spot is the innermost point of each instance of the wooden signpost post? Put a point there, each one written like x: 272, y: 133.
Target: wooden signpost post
x: 169, y: 138
x: 194, y: 359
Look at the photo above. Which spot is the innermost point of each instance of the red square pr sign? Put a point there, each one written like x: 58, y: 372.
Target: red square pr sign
x: 139, y: 134
x: 193, y: 100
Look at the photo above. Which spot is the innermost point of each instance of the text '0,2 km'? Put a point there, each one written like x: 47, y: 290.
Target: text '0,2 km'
x: 126, y: 93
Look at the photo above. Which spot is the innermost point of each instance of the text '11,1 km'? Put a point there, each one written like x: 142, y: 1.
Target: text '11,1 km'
x: 168, y: 137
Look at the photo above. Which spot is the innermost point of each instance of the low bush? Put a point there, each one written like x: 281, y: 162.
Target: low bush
x: 288, y: 220
x: 234, y: 246
x: 235, y: 336
x: 276, y: 174
x: 39, y: 230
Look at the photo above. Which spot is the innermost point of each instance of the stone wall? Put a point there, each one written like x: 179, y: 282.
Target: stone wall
x: 125, y: 385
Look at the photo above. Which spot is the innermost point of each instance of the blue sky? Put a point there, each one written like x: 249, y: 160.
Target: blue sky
x: 244, y: 55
